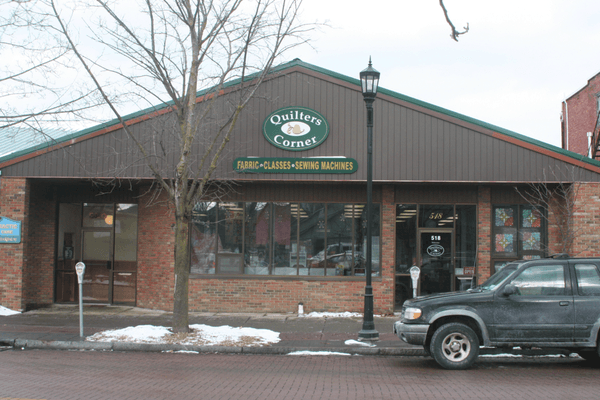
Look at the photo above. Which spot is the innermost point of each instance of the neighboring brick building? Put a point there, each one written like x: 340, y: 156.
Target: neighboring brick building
x: 579, y: 119
x: 292, y: 228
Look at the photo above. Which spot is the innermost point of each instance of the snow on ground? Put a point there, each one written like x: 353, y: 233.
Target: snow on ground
x: 317, y: 353
x: 356, y: 342
x: 345, y: 314
x: 6, y: 311
x: 199, y: 335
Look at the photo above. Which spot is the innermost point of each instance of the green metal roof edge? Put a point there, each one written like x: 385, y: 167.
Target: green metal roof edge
x: 299, y: 63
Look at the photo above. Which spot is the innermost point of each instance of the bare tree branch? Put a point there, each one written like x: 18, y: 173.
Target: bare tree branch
x: 556, y: 198
x: 454, y: 34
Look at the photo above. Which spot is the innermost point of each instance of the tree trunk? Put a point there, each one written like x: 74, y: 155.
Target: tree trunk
x: 182, y: 273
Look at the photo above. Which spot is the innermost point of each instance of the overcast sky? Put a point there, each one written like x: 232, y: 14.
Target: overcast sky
x: 518, y: 62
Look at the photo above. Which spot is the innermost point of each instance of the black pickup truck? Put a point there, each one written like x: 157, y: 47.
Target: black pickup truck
x: 545, y: 303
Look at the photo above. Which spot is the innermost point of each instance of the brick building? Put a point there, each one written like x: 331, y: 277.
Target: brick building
x: 579, y: 120
x: 291, y: 229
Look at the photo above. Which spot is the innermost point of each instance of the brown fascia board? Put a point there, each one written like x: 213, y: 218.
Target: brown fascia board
x: 296, y: 68
x: 105, y: 130
x: 449, y: 118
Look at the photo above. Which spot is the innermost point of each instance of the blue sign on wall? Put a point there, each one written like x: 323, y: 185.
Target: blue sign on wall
x: 10, y: 231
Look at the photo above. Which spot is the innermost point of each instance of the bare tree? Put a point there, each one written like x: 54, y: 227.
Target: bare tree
x: 165, y: 52
x: 556, y: 199
x: 455, y: 33
x: 33, y: 92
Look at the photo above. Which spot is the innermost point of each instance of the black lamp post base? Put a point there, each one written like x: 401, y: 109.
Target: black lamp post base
x: 368, y: 335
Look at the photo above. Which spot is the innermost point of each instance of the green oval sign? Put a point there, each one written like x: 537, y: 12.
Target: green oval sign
x: 295, y: 128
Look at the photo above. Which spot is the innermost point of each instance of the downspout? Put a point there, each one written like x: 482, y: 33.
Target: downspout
x: 589, y: 135
x: 566, y: 121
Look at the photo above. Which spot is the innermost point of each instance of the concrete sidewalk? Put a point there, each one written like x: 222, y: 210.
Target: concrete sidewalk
x: 57, y: 327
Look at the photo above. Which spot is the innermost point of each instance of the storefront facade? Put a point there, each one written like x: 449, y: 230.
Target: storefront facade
x: 290, y: 228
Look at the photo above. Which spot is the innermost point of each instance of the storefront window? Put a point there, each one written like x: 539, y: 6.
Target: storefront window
x: 285, y: 227
x: 518, y: 232
x: 465, y: 227
x: 257, y: 233
x: 257, y: 238
x: 203, y: 238
x: 97, y: 215
x: 406, y: 237
x: 436, y: 216
x: 360, y: 234
x: 313, y: 227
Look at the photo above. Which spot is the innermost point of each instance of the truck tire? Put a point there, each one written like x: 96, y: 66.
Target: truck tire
x: 454, y: 346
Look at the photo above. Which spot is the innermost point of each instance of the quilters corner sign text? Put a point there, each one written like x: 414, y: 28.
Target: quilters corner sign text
x: 295, y: 128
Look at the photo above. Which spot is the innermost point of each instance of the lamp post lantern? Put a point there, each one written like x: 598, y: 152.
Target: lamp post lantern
x: 369, y: 79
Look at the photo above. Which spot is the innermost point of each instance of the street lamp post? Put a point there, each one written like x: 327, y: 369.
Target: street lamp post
x: 369, y: 79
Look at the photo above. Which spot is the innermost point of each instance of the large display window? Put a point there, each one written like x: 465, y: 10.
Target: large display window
x: 282, y: 239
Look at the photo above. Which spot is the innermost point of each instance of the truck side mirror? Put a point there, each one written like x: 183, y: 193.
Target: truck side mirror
x: 509, y: 290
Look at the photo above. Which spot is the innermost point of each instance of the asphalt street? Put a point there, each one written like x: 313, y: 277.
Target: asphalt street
x: 52, y: 375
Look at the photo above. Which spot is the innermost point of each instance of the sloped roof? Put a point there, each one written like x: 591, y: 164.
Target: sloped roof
x: 13, y: 153
x: 15, y: 141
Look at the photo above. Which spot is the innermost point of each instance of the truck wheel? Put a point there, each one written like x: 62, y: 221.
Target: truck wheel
x: 454, y: 346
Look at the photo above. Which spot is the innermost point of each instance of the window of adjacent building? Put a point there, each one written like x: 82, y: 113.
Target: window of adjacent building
x: 518, y: 232
x: 283, y: 239
x: 588, y: 279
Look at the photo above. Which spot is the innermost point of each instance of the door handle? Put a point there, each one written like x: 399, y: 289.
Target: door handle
x: 563, y: 303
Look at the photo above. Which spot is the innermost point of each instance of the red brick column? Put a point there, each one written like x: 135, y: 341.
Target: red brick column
x: 38, y: 274
x: 586, y: 224
x: 384, y: 290
x: 14, y: 204
x: 484, y: 232
x: 156, y: 258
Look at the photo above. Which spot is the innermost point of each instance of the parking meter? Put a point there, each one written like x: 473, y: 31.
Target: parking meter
x: 80, y: 270
x: 414, y: 277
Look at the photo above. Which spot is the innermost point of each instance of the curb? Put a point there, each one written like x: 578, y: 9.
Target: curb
x: 25, y: 344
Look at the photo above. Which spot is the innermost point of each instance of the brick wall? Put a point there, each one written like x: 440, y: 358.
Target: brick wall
x: 14, y: 202
x: 156, y: 241
x: 38, y: 276
x: 484, y: 232
x: 582, y: 112
x: 587, y: 221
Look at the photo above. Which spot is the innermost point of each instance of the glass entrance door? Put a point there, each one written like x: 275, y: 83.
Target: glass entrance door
x: 104, y: 237
x: 436, y: 261
x: 98, y: 259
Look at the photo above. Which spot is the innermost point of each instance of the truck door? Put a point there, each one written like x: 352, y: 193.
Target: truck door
x: 542, y: 310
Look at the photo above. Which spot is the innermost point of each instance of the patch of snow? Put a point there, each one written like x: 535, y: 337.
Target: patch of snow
x: 7, y: 311
x: 501, y: 355
x: 345, y: 314
x: 353, y: 342
x: 521, y: 355
x: 201, y: 335
x: 317, y: 353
